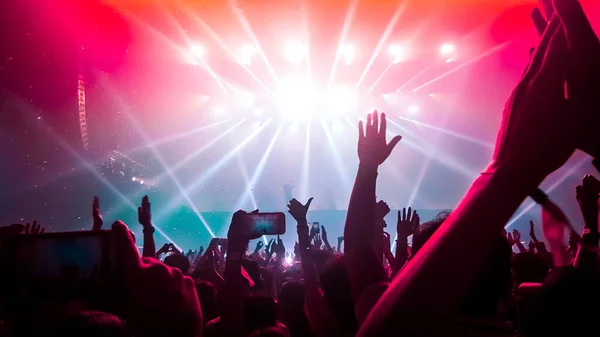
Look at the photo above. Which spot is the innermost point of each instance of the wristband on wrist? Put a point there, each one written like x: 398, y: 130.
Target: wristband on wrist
x: 539, y: 196
x: 150, y: 228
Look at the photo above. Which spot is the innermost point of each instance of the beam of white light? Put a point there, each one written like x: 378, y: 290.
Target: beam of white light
x: 257, y: 173
x: 213, y: 169
x: 62, y: 143
x: 295, y: 52
x: 345, y: 28
x: 447, y: 49
x: 188, y: 55
x: 197, y: 152
x: 380, y: 77
x: 200, y: 150
x: 552, y: 187
x: 162, y: 141
x: 239, y: 14
x: 348, y: 52
x: 170, y: 174
x: 426, y: 148
x: 340, y: 165
x: 450, y: 133
x: 386, y: 33
x: 423, y: 71
x: 470, y: 62
x: 305, y: 175
x: 202, y: 63
x: 166, y: 168
x: 244, y: 171
x: 215, y: 37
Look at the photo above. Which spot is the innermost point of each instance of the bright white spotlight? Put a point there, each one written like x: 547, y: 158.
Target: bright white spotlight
x: 413, y: 109
x: 245, y: 99
x: 447, y: 49
x: 295, y: 52
x: 340, y: 100
x: 133, y: 179
x: 296, y: 98
x: 289, y: 261
x: 246, y: 53
x: 197, y: 51
x: 258, y: 112
x: 348, y: 52
x: 218, y: 110
x: 400, y: 53
x: 142, y: 182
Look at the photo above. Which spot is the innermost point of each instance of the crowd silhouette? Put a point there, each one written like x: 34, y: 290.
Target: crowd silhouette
x: 499, y: 283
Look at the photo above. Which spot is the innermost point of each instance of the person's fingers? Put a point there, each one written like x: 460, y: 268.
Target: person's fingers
x: 539, y: 21
x: 383, y: 127
x: 575, y: 22
x: 403, y: 213
x: 393, y: 143
x: 548, y: 8
x: 399, y: 215
x: 361, y: 131
x: 126, y: 248
x: 369, y: 130
x: 409, y: 214
x: 375, y: 122
x: 42, y: 230
x: 540, y: 52
x: 308, y: 203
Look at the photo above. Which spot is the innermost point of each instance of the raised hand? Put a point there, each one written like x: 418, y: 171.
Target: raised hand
x: 373, y: 148
x: 318, y: 242
x: 201, y: 250
x: 33, y: 229
x: 516, y: 236
x: 98, y: 221
x: 531, y: 246
x: 161, y: 300
x: 509, y: 239
x: 298, y: 211
x: 538, y: 99
x: 532, y: 231
x: 279, y: 248
x: 587, y: 196
x: 144, y: 213
x: 408, y: 222
x: 582, y: 73
x: 269, y: 249
x: 259, y: 246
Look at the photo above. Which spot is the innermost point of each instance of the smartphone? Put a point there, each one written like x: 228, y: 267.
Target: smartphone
x: 265, y: 223
x: 316, y: 228
x: 61, y: 267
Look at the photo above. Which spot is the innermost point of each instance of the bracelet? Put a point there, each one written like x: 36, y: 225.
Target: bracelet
x: 539, y: 196
x: 151, y: 227
x: 596, y: 163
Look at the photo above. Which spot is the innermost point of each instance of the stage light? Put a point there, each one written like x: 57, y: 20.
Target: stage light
x: 447, y: 49
x: 413, y: 109
x: 133, y: 179
x: 348, y: 52
x: 400, y: 53
x: 289, y: 260
x: 197, y: 51
x: 295, y: 52
x: 246, y: 53
x: 340, y: 100
x: 296, y: 98
x: 245, y: 99
x: 258, y: 112
x: 142, y: 182
x: 218, y: 110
